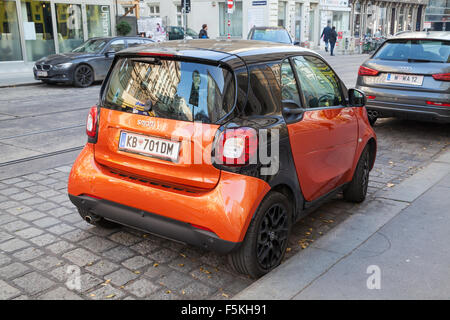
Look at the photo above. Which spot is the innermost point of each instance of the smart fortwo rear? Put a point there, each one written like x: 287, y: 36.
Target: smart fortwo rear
x: 176, y: 148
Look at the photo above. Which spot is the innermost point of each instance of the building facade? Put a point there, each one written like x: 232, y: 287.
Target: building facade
x: 438, y: 14
x: 31, y: 29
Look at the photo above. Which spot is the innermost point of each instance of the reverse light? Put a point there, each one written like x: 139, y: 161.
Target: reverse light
x: 237, y: 147
x: 438, y: 104
x: 442, y: 76
x: 91, y: 122
x: 364, y: 71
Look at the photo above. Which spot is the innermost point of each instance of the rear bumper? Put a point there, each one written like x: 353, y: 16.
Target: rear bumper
x: 412, y: 112
x: 153, y: 223
x: 226, y: 210
x: 407, y: 104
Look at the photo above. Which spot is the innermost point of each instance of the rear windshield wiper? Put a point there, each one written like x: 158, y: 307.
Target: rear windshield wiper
x: 423, y: 60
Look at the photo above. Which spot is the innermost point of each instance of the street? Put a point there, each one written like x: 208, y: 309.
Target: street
x: 44, y: 241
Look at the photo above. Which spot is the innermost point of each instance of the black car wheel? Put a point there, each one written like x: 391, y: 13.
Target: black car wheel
x: 83, y: 76
x: 267, y: 236
x: 356, y: 191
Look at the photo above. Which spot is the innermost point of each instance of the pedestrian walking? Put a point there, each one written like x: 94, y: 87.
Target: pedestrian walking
x: 333, y: 39
x: 326, y: 35
x: 203, y: 34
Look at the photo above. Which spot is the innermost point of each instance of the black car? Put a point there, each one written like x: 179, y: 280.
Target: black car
x: 85, y: 64
x: 177, y: 33
x: 271, y: 34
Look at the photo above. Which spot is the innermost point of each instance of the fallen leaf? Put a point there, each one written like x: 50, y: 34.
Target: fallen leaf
x: 183, y: 255
x: 110, y: 296
x: 288, y: 249
x: 181, y: 264
x: 225, y: 295
x: 183, y: 292
x: 168, y: 291
x: 390, y: 185
x: 155, y: 265
x: 92, y: 295
x: 137, y: 272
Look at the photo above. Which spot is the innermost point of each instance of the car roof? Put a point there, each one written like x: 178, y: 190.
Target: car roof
x: 435, y: 35
x: 274, y: 28
x: 251, y: 51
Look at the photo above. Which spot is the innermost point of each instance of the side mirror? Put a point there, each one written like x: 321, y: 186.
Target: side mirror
x: 110, y: 53
x: 292, y: 111
x: 296, y: 43
x: 356, y: 98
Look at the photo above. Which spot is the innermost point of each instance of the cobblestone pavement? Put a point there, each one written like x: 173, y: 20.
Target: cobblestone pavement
x: 44, y: 243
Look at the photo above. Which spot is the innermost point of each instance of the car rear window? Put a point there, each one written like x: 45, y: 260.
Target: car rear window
x: 170, y: 89
x: 272, y: 35
x: 415, y: 51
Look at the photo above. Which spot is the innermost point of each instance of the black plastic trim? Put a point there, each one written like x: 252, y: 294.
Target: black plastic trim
x: 154, y: 224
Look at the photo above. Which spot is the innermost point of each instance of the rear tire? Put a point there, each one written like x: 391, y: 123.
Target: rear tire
x: 267, y: 237
x: 356, y: 191
x: 96, y: 220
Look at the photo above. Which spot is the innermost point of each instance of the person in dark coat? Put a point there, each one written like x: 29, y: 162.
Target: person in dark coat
x: 203, y: 34
x: 333, y: 39
x: 326, y: 35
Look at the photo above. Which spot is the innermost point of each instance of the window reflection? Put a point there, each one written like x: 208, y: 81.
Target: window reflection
x: 10, y: 48
x: 70, y: 26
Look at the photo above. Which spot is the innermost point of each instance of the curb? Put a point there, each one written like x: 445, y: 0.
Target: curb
x: 21, y: 84
x: 301, y: 270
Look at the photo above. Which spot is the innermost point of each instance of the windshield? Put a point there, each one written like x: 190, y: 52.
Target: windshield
x: 92, y: 46
x: 170, y: 89
x: 415, y: 51
x: 272, y: 35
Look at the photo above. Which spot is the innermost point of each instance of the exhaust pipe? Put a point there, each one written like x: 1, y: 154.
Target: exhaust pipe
x: 92, y: 218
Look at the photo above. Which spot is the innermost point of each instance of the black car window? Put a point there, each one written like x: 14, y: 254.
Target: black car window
x: 170, y: 89
x: 134, y: 42
x: 265, y: 93
x: 289, y: 89
x: 272, y: 35
x: 319, y: 84
x: 117, y: 45
x: 92, y: 46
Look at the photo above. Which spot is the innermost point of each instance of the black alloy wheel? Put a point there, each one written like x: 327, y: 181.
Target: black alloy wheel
x: 83, y: 76
x: 272, y: 237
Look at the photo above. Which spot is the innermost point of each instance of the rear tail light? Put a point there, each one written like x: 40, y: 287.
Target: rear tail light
x: 237, y: 147
x: 438, y: 104
x: 91, y: 122
x: 370, y: 97
x: 364, y: 71
x: 442, y: 76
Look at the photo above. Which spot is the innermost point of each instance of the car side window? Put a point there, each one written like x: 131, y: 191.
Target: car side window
x: 319, y: 84
x: 289, y: 89
x: 117, y: 45
x: 264, y: 96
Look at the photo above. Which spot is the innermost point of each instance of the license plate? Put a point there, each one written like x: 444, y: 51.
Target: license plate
x: 41, y: 73
x: 149, y: 146
x: 410, y: 79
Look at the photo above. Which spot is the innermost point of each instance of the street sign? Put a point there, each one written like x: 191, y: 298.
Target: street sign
x: 427, y: 24
x: 186, y: 4
x: 230, y: 4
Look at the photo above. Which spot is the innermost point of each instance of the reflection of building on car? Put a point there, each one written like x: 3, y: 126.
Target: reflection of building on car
x: 241, y: 141
x: 85, y: 64
x: 177, y: 33
x: 271, y: 34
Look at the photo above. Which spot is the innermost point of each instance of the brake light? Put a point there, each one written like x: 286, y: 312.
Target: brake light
x: 158, y: 54
x: 237, y: 147
x: 438, y: 104
x: 370, y: 97
x: 442, y: 76
x: 91, y: 122
x: 364, y: 71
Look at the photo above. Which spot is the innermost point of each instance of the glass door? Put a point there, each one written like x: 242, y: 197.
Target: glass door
x: 98, y: 20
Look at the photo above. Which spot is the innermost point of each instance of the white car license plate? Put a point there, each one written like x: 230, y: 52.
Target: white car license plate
x: 149, y: 146
x: 41, y: 73
x: 410, y: 79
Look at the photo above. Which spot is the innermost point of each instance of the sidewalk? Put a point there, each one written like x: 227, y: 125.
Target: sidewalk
x: 404, y: 234
x: 17, y: 74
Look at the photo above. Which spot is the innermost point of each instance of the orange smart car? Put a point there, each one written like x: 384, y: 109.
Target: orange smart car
x: 222, y: 145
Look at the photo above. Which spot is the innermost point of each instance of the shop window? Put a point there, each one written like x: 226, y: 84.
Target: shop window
x: 38, y: 29
x: 98, y: 20
x: 236, y: 20
x: 10, y: 48
x: 70, y: 26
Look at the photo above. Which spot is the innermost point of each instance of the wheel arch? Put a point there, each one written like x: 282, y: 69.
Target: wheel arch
x: 86, y: 63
